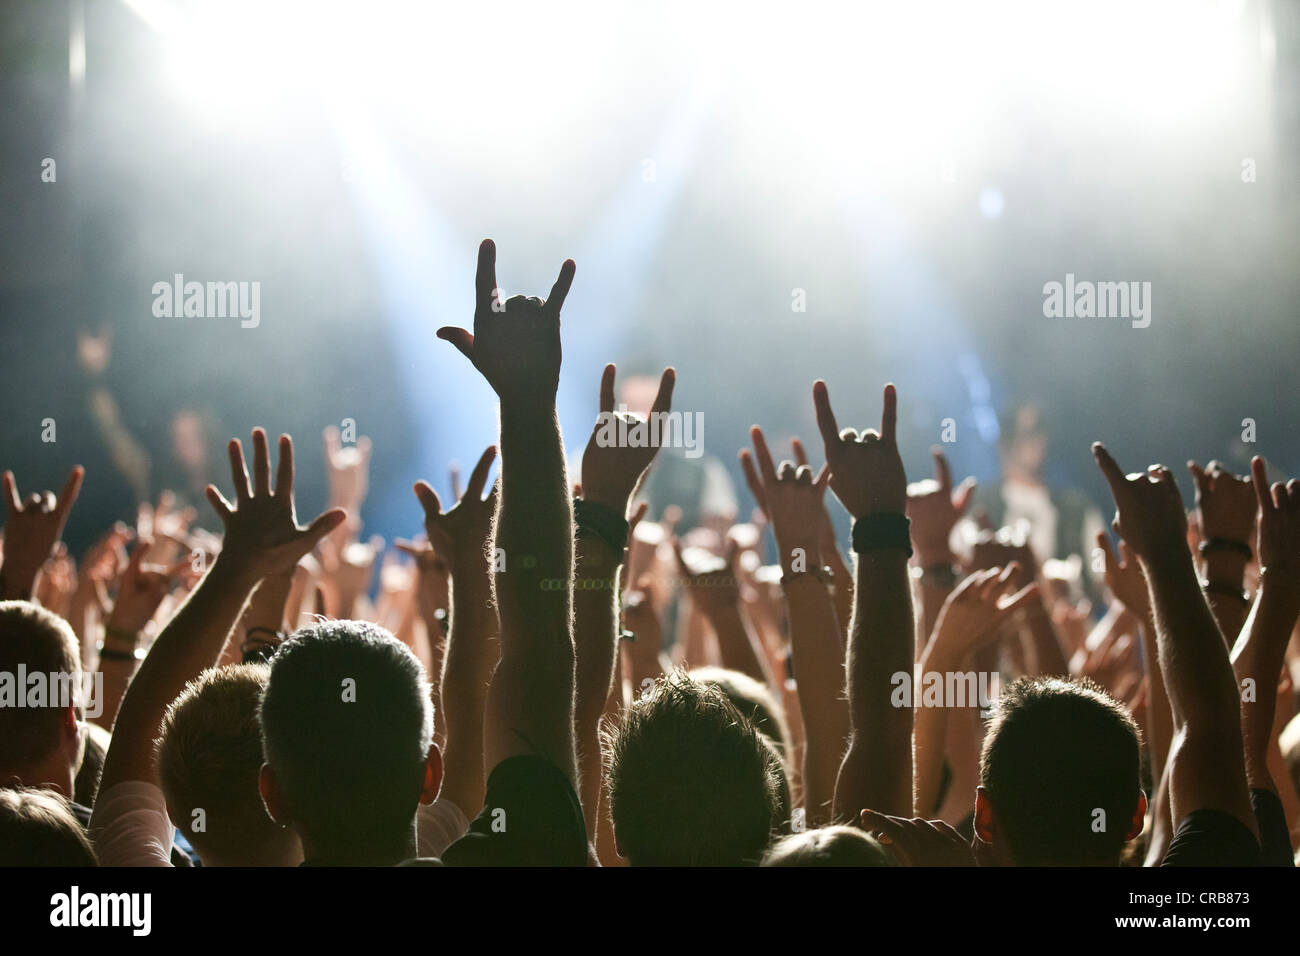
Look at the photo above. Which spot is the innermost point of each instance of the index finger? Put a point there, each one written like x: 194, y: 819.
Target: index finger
x: 664, y: 397
x: 765, y: 466
x: 825, y: 416
x: 941, y: 470
x: 752, y: 480
x: 478, y: 477
x: 485, y: 276
x: 11, y: 492
x: 1114, y: 477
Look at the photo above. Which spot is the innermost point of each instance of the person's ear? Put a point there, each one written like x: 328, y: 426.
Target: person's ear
x: 432, y: 775
x: 985, y: 827
x: 272, y: 797
x: 1139, y: 817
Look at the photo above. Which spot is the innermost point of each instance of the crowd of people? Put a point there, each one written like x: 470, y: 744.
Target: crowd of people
x: 552, y: 675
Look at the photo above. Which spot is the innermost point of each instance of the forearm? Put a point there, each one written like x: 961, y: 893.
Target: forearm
x: 929, y: 742
x: 1160, y: 722
x: 595, y: 644
x: 877, y: 770
x: 472, y: 644
x: 1207, y: 766
x: 1257, y: 658
x: 1224, y: 573
x: 530, y: 703
x: 190, y: 643
x: 1048, y: 658
x: 819, y: 662
x: 738, y: 644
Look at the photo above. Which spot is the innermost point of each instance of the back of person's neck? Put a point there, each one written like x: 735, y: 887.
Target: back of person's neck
x: 371, y: 853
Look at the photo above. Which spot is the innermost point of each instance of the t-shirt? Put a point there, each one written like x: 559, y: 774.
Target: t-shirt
x: 531, y: 817
x: 1215, y: 838
x: 130, y: 827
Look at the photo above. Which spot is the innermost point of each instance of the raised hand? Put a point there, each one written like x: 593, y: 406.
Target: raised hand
x: 461, y: 533
x: 31, y: 531
x: 711, y: 580
x: 976, y: 611
x: 920, y: 842
x: 262, y: 531
x: 1279, y: 522
x: 1124, y: 577
x: 1225, y: 503
x: 347, y: 471
x: 1149, y: 511
x: 934, y: 508
x: 793, y: 500
x: 611, y: 472
x: 515, y: 344
x: 1001, y: 548
x: 866, y: 470
x: 141, y: 590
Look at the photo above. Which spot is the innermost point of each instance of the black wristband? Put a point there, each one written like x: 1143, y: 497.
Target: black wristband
x: 1226, y: 544
x: 108, y: 654
x: 1225, y: 589
x: 594, y: 520
x: 886, y: 531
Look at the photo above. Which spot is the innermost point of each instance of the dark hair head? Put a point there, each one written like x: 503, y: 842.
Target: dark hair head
x: 753, y: 699
x: 692, y: 782
x: 42, y: 642
x: 1062, y: 770
x: 828, y: 846
x: 38, y: 829
x: 346, y: 725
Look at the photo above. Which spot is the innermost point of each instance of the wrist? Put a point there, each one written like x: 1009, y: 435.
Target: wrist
x: 1225, y: 566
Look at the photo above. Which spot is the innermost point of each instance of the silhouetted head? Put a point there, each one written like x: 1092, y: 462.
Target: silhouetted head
x: 1060, y: 776
x: 347, y: 727
x: 692, y: 782
x: 828, y: 846
x: 41, y: 742
x: 38, y: 829
x: 209, y: 758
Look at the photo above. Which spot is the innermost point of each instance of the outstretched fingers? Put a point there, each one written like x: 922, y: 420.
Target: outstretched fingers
x: 664, y: 397
x: 560, y: 291
x: 478, y: 477
x: 284, y: 469
x: 238, y: 471
x: 428, y: 499
x: 889, y: 414
x: 825, y: 416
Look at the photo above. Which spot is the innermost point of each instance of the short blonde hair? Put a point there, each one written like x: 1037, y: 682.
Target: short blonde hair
x: 209, y: 757
x: 42, y: 642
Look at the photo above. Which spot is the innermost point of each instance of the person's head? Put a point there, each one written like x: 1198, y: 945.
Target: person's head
x: 209, y: 757
x: 692, y: 782
x: 752, y: 699
x: 1059, y: 776
x: 38, y: 829
x: 828, y: 846
x: 347, y: 729
x: 42, y: 741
